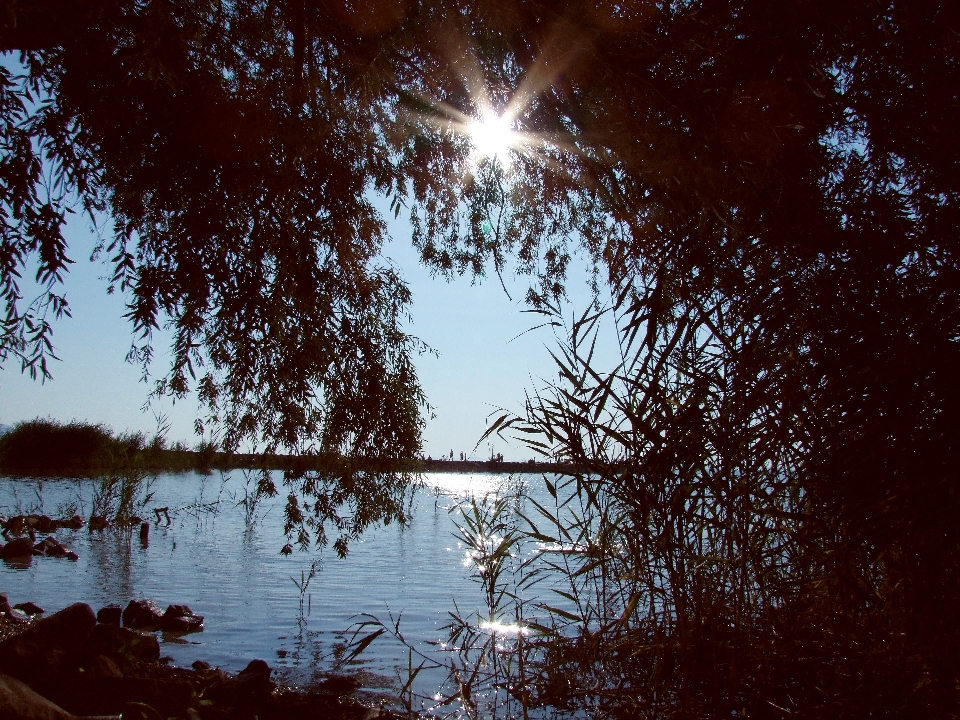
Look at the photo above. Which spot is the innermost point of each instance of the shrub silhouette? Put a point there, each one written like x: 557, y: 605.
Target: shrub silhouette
x: 45, y: 445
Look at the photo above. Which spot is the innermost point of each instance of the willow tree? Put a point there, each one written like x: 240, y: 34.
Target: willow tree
x: 767, y: 193
x: 228, y: 163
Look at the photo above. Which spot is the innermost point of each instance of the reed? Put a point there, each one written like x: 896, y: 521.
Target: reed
x: 707, y: 556
x: 122, y: 497
x: 303, y: 585
x: 257, y: 487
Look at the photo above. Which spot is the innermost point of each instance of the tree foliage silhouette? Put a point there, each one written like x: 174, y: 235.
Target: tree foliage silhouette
x: 768, y: 191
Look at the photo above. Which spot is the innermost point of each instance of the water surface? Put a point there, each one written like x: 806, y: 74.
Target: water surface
x: 234, y: 574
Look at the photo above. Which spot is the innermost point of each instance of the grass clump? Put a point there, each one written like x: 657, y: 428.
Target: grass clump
x: 44, y: 445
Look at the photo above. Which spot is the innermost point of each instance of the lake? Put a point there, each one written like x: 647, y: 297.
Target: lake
x: 233, y: 574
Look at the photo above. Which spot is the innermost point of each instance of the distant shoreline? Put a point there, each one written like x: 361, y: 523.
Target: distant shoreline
x: 47, y: 448
x: 188, y: 460
x: 488, y: 466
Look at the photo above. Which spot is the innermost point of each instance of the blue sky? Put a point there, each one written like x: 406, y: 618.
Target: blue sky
x: 471, y: 325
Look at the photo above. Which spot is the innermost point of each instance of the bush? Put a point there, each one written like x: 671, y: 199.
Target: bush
x: 47, y: 445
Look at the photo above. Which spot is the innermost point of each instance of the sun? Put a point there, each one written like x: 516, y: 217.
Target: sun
x: 493, y: 138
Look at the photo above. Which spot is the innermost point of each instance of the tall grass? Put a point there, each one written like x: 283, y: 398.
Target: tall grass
x: 257, y: 487
x: 122, y: 498
x: 703, y: 563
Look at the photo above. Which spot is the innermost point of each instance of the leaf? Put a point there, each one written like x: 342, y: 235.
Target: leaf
x: 551, y: 488
x: 561, y: 613
x: 359, y: 647
x: 500, y: 424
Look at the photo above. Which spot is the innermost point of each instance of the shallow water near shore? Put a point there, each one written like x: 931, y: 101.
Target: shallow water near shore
x: 235, y: 576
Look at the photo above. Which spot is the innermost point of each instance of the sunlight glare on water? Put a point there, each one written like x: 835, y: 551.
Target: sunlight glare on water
x: 504, y: 628
x: 463, y: 485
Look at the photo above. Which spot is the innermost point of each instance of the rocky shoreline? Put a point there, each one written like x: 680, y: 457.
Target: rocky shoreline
x: 80, y: 664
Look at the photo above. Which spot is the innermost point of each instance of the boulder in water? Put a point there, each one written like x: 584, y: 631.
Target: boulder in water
x: 43, y: 524
x: 19, y: 548
x: 251, y: 685
x: 142, y: 615
x: 19, y: 616
x: 49, y: 546
x: 110, y: 615
x: 179, y: 618
x: 74, y: 523
x: 17, y: 525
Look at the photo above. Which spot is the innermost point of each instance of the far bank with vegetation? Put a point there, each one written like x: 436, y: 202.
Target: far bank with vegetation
x: 48, y: 447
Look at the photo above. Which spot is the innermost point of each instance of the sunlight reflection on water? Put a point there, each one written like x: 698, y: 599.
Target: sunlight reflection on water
x: 463, y: 485
x: 504, y: 628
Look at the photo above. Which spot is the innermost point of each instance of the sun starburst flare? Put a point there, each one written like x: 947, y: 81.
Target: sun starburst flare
x: 494, y: 132
x: 493, y: 138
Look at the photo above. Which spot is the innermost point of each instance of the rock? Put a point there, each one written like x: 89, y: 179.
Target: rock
x: 110, y: 615
x: 179, y: 618
x: 17, y: 525
x: 29, y: 608
x: 338, y: 685
x: 19, y: 548
x: 19, y: 702
x: 20, y: 563
x: 256, y: 667
x: 139, y: 711
x: 74, y: 523
x: 71, y: 555
x: 251, y: 685
x: 201, y: 667
x: 18, y: 615
x: 214, y: 682
x: 142, y: 615
x: 254, y: 679
x: 42, y: 651
x: 42, y: 546
x: 49, y: 546
x: 100, y: 666
x: 97, y: 522
x: 4, y: 604
x: 110, y: 695
x: 43, y: 524
x: 122, y: 644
